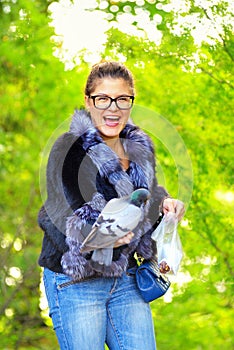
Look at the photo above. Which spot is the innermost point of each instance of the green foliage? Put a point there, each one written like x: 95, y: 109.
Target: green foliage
x: 195, y: 97
x: 36, y: 95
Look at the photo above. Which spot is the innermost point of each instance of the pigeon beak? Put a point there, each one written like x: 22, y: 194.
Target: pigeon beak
x: 146, y: 200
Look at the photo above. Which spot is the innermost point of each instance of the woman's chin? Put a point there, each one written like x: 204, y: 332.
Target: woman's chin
x: 111, y: 131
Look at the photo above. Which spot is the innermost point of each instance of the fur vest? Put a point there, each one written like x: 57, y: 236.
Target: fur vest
x: 83, y: 173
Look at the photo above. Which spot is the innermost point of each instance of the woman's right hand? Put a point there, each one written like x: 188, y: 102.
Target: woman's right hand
x: 124, y: 240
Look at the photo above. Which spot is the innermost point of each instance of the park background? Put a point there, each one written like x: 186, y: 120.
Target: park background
x: 181, y: 54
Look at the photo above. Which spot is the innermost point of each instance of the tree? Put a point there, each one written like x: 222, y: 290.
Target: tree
x: 32, y: 83
x: 188, y: 84
x: 195, y: 93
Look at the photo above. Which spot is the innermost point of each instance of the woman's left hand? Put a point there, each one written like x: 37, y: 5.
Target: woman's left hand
x: 174, y: 206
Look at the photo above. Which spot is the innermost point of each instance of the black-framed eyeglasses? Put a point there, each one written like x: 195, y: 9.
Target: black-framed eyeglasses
x: 104, y: 101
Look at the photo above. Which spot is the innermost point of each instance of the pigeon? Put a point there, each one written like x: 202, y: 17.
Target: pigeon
x: 118, y: 217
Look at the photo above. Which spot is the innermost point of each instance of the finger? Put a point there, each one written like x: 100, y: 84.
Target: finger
x: 127, y: 239
x: 124, y: 240
x: 181, y: 215
x: 169, y: 205
x: 180, y: 210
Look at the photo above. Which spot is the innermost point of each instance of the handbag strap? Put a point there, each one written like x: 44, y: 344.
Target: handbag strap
x: 140, y: 259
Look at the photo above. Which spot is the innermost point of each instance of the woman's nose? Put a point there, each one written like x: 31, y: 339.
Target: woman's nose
x: 113, y: 106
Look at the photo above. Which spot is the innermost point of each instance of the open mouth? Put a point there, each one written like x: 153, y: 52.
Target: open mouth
x: 111, y: 121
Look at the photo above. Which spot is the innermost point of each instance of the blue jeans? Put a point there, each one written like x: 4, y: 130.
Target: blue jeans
x: 88, y: 314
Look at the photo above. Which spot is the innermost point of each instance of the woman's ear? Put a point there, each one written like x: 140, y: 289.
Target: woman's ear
x: 87, y: 102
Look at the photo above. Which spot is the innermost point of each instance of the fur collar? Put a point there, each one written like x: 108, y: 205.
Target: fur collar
x: 136, y: 143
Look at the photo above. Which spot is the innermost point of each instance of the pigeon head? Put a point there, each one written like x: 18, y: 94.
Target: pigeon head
x: 139, y: 197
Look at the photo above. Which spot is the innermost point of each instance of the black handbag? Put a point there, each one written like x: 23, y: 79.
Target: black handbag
x: 151, y: 282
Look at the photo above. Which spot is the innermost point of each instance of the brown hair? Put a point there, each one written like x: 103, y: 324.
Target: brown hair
x: 113, y: 70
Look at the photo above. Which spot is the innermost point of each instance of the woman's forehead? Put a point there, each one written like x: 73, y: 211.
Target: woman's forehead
x: 108, y: 84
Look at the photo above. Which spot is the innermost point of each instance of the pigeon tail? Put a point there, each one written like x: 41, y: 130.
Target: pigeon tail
x: 101, y: 259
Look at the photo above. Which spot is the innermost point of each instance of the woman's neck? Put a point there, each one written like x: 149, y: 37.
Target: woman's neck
x: 116, y: 146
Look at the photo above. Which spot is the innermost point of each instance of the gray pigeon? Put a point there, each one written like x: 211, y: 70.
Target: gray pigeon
x: 119, y: 216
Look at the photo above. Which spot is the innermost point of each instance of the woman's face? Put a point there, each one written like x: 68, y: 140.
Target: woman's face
x: 111, y: 121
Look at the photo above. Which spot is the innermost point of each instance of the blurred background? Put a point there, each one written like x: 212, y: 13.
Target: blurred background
x: 181, y: 54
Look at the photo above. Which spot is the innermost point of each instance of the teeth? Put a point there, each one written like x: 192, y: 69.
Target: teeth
x: 112, y: 118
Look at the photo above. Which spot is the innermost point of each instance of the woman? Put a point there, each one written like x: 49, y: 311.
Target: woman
x: 103, y: 156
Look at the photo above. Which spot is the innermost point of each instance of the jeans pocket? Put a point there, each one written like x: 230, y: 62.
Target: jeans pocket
x: 66, y: 284
x: 131, y: 271
x: 63, y: 281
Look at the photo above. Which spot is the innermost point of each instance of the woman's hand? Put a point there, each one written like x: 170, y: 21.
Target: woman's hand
x: 169, y: 204
x: 174, y: 206
x: 124, y: 240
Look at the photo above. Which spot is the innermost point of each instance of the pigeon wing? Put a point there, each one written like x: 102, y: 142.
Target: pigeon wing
x: 99, y: 237
x: 109, y: 227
